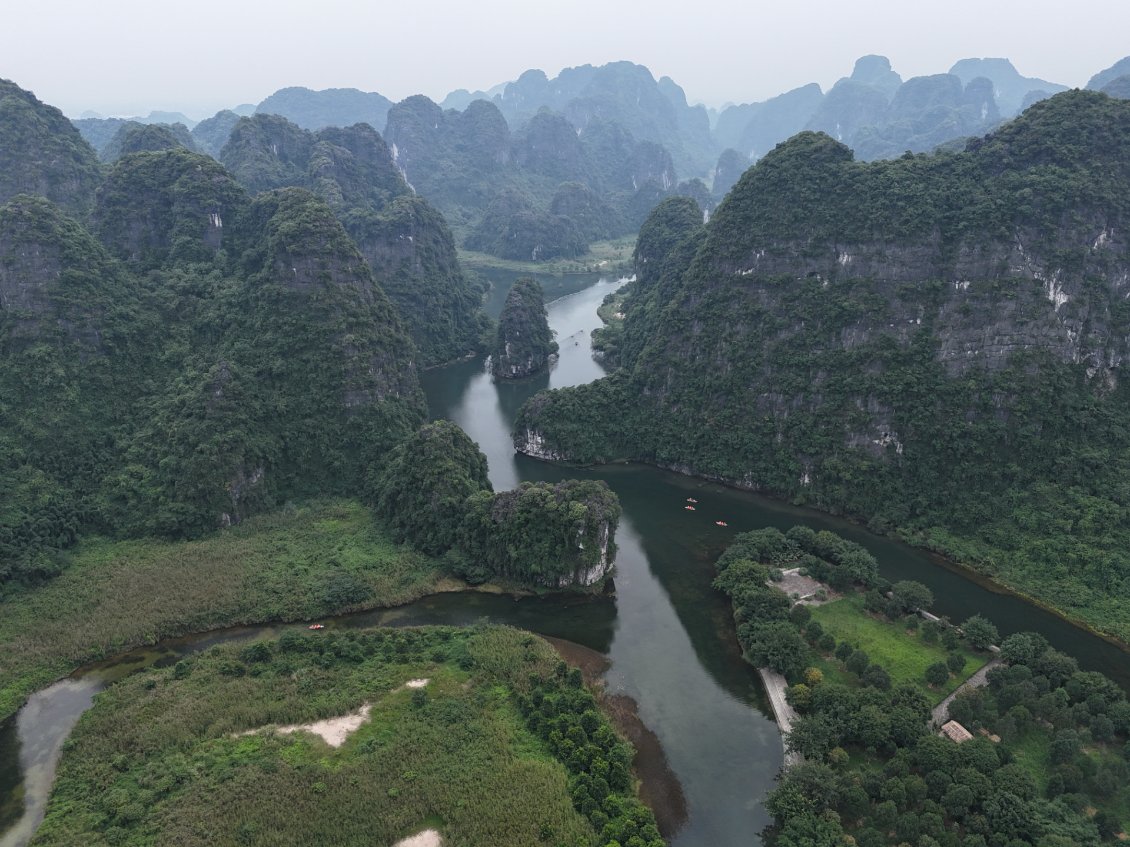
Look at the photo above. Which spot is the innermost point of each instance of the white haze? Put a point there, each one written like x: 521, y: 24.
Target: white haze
x: 131, y: 56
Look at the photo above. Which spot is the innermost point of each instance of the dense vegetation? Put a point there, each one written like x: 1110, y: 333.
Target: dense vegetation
x: 405, y: 241
x: 299, y: 563
x: 1049, y: 769
x: 41, y: 153
x: 942, y: 360
x: 185, y: 355
x: 525, y: 341
x: 434, y: 493
x: 501, y: 747
x: 541, y: 192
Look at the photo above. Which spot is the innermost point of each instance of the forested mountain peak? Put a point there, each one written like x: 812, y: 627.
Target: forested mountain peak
x: 903, y: 340
x: 331, y: 107
x: 406, y: 243
x: 42, y: 153
x: 166, y: 206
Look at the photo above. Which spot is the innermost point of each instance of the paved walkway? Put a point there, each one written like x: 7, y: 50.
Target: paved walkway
x: 775, y: 687
x: 979, y: 679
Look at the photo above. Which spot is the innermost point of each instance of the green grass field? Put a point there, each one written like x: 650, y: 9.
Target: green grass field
x: 162, y: 757
x: 613, y: 255
x: 321, y: 557
x: 904, y: 655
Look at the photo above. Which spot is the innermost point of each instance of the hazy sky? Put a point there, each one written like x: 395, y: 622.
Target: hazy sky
x: 131, y: 56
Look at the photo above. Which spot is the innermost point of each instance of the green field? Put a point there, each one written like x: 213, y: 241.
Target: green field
x: 614, y: 255
x: 903, y: 654
x: 187, y: 756
x: 298, y: 563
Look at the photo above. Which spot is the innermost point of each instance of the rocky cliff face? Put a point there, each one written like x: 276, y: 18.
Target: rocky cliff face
x: 907, y: 357
x: 162, y: 206
x: 406, y: 242
x: 525, y: 341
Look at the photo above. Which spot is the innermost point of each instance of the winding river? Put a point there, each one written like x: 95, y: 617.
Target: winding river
x: 668, y: 637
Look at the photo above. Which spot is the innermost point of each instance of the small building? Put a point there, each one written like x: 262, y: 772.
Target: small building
x: 955, y: 732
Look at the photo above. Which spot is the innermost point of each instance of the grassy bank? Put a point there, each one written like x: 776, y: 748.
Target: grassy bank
x: 321, y: 557
x: 602, y: 256
x: 903, y: 653
x: 165, y: 756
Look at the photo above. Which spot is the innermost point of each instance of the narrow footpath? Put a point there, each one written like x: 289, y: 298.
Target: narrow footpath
x: 979, y: 679
x: 775, y: 687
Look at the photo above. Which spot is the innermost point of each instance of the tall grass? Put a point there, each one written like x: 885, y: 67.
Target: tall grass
x: 322, y: 557
x: 158, y: 760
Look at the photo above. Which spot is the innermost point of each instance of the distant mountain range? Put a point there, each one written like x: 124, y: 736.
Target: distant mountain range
x: 539, y: 167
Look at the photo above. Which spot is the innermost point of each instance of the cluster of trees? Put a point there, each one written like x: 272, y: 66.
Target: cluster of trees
x: 561, y: 711
x: 434, y: 493
x: 874, y: 771
x: 766, y: 624
x: 880, y: 386
x: 872, y: 768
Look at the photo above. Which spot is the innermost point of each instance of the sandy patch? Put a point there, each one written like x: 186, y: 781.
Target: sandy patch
x: 416, y: 683
x: 427, y: 838
x: 333, y: 731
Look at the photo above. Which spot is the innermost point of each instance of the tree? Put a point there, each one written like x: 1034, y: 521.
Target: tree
x: 422, y: 489
x: 1023, y: 648
x: 937, y: 674
x: 778, y: 646
x: 912, y: 596
x: 980, y: 632
x: 857, y: 662
x: 955, y: 662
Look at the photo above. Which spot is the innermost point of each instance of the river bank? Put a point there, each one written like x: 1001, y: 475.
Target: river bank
x: 971, y: 573
x: 316, y: 560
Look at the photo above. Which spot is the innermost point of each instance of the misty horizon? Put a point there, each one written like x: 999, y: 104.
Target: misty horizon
x: 137, y: 59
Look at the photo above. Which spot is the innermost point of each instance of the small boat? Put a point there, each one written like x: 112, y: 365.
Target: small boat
x: 720, y: 523
x: 316, y: 626
x: 691, y: 500
x: 689, y: 508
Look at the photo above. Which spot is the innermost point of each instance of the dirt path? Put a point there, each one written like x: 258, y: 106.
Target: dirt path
x: 941, y: 712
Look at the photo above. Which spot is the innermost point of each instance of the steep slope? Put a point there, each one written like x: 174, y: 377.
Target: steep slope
x: 72, y: 356
x: 211, y: 134
x: 525, y: 341
x: 213, y: 356
x: 41, y: 153
x: 934, y: 343
x: 405, y: 241
x: 133, y: 137
x: 157, y: 207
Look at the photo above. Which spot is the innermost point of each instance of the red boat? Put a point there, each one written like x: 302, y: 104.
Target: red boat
x: 721, y: 523
x: 316, y: 626
x: 689, y: 508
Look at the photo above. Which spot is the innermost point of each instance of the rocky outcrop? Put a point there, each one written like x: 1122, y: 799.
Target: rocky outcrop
x: 170, y: 205
x: 525, y: 342
x: 406, y: 242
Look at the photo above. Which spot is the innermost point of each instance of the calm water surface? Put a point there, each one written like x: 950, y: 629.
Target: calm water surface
x: 669, y: 637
